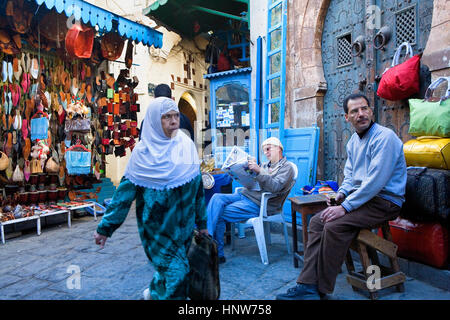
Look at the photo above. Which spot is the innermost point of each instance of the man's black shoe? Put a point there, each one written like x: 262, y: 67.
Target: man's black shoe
x: 300, y: 292
x: 222, y: 260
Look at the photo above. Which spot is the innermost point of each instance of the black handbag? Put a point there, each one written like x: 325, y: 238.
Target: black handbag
x: 427, y: 195
x: 204, y: 282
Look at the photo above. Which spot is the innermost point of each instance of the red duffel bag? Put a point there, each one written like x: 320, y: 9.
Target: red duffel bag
x: 80, y: 41
x: 400, y: 81
x: 423, y: 242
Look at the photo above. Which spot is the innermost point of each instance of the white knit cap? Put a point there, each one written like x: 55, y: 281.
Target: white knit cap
x: 273, y: 141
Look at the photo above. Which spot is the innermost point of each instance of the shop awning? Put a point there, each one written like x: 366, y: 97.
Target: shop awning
x: 227, y: 73
x: 105, y: 20
x: 192, y: 17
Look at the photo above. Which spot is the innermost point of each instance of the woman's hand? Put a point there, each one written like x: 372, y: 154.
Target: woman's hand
x: 100, y: 239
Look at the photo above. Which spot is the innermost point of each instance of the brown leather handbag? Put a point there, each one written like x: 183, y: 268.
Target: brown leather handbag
x: 112, y: 45
x: 4, y: 161
x: 19, y: 17
x: 51, y: 166
x: 80, y: 41
x: 35, y: 166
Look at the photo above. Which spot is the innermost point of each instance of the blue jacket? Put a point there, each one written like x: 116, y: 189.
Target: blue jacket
x: 375, y: 166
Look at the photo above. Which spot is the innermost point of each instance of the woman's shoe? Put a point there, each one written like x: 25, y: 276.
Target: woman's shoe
x: 146, y: 294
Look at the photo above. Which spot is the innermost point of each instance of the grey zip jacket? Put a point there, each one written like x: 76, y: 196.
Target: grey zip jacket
x: 277, y: 179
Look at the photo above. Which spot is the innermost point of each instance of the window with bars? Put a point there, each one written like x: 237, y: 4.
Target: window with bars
x: 344, y: 50
x: 405, y: 26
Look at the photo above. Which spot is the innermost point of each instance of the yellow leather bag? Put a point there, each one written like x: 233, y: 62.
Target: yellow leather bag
x: 430, y: 152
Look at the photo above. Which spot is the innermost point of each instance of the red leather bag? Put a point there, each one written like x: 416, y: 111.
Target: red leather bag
x: 79, y: 41
x: 400, y: 81
x: 423, y: 242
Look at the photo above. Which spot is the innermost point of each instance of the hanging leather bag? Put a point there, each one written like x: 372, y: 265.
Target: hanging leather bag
x: 80, y: 41
x: 428, y: 118
x: 51, y: 166
x: 4, y: 161
x: 35, y: 166
x: 112, y: 46
x: 400, y: 81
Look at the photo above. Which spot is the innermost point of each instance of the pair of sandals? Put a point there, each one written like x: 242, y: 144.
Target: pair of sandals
x: 7, y: 71
x: 7, y: 100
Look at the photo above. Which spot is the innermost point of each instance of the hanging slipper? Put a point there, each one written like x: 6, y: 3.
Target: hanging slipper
x: 82, y: 91
x: 10, y: 72
x: 24, y: 128
x: 28, y: 109
x: 49, y: 99
x: 56, y: 75
x: 17, y: 122
x: 4, y: 70
x: 26, y: 150
x: 34, y: 89
x: 27, y: 63
x: 61, y: 115
x: 82, y: 72
x: 34, y: 69
x: 8, y: 146
x: 24, y: 83
x: 88, y: 72
x: 27, y: 170
x: 10, y: 103
x: 22, y: 63
x: 67, y: 85
x: 74, y: 87
x: 17, y: 69
x: 89, y: 93
x: 9, y: 171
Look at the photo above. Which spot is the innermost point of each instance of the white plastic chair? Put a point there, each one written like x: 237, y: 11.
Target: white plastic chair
x: 258, y: 222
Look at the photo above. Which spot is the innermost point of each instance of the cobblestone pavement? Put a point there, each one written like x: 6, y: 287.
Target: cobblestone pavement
x: 41, y: 267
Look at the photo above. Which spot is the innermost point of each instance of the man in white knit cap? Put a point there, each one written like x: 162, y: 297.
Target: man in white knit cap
x: 275, y: 176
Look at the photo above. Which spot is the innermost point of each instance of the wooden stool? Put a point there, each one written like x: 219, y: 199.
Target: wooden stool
x: 366, y: 244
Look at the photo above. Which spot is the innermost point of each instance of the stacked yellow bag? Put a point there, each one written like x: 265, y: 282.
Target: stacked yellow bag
x: 426, y: 151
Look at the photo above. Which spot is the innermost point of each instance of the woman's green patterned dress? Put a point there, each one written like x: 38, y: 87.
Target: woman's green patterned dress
x: 165, y: 221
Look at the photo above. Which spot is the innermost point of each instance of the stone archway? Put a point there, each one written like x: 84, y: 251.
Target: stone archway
x: 188, y: 107
x: 305, y: 80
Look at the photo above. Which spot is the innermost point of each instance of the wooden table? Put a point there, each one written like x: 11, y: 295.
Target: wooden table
x: 306, y: 205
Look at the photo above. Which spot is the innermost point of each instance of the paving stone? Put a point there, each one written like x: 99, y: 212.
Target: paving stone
x: 8, y: 279
x: 22, y: 288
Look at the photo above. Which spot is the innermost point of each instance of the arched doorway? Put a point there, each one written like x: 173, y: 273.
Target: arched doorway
x: 188, y: 107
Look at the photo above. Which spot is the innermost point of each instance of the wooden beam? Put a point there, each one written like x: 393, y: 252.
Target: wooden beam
x: 369, y: 238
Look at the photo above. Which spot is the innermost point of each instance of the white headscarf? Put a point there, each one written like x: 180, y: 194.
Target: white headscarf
x: 160, y: 162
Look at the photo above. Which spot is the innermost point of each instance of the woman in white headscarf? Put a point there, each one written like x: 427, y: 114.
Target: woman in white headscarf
x: 163, y: 175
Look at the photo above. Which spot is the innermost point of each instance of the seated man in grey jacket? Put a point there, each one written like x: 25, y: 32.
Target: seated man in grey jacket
x: 275, y: 176
x: 372, y: 192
